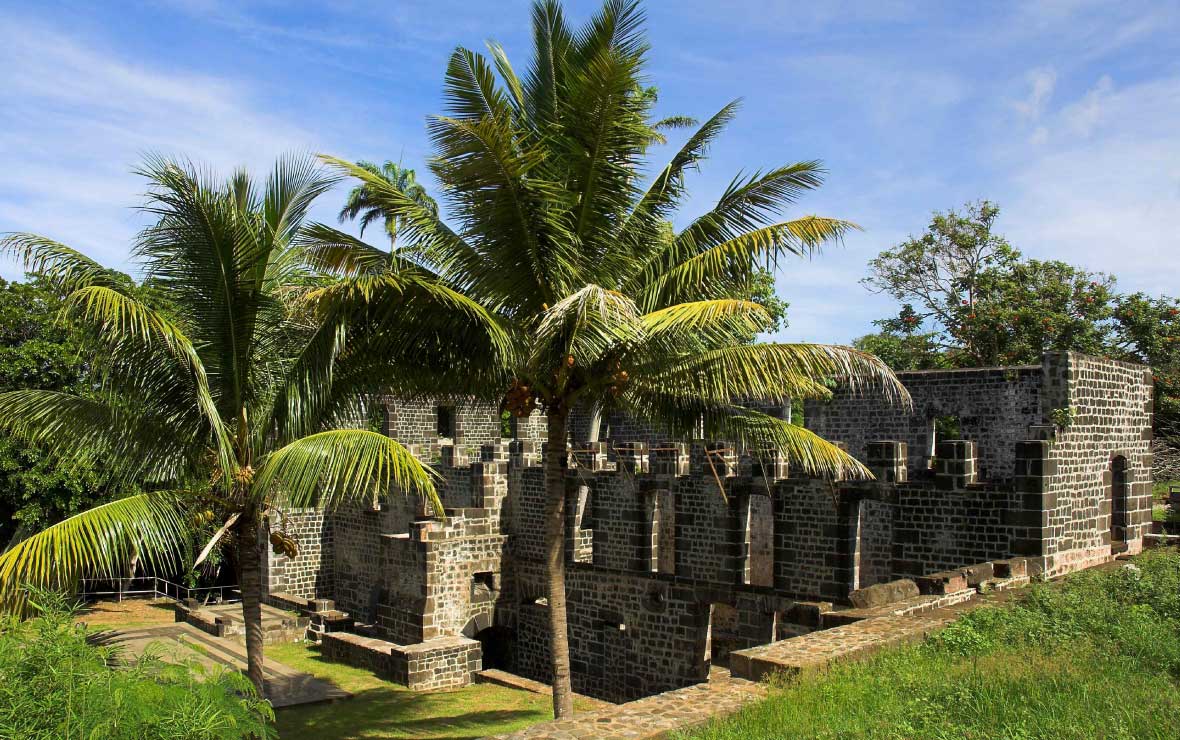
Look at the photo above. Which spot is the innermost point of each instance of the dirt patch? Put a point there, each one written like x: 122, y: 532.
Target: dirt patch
x: 128, y: 613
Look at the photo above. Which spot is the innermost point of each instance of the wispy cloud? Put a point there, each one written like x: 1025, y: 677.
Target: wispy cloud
x: 1105, y: 190
x: 77, y: 119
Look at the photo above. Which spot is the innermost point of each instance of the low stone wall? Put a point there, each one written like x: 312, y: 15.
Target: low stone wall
x: 443, y: 663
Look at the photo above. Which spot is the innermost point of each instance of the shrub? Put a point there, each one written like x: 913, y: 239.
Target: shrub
x: 56, y: 681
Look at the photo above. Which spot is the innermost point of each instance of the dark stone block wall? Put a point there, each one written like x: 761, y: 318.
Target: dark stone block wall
x: 1111, y: 403
x: 936, y: 529
x: 677, y: 554
x: 995, y: 408
x: 312, y: 571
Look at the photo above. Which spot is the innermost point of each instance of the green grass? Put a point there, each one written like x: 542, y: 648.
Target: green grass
x: 1097, y: 656
x: 1159, y: 488
x: 380, y: 709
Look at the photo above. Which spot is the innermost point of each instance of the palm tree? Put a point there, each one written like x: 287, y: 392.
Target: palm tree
x: 359, y: 203
x: 222, y: 406
x: 608, y: 305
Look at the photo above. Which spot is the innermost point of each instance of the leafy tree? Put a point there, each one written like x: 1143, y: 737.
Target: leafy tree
x: 606, y: 306
x: 762, y: 292
x: 1147, y: 330
x: 57, y: 681
x: 224, y: 405
x: 38, y: 351
x: 970, y: 299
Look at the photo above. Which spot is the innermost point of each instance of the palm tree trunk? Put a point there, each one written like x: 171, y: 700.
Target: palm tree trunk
x: 563, y: 698
x: 250, y: 581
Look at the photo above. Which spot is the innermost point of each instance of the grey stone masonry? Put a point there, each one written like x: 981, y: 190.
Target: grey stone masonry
x: 681, y: 553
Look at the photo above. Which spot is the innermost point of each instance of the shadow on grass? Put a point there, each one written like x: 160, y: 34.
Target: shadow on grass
x: 380, y: 713
x: 382, y: 709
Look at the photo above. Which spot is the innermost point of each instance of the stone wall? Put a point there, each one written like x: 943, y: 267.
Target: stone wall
x: 475, y: 423
x: 311, y: 572
x: 1111, y: 404
x: 679, y: 554
x: 994, y: 406
x: 935, y: 529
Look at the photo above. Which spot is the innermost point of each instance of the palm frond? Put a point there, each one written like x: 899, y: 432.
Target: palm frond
x: 712, y: 320
x: 342, y: 466
x: 66, y: 268
x: 100, y: 541
x: 727, y: 266
x: 583, y: 327
x: 121, y: 318
x: 133, y: 445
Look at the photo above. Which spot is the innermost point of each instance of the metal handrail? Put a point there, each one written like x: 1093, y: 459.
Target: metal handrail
x: 156, y: 587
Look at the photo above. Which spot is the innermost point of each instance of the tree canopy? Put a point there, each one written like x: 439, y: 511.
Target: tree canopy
x: 969, y: 298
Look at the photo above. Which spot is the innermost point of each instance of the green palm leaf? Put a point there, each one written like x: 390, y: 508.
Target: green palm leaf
x: 344, y: 465
x: 100, y: 541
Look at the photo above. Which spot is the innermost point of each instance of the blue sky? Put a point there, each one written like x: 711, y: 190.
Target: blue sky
x: 1065, y: 112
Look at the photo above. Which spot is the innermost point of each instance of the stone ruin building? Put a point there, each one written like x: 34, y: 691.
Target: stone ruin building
x: 682, y: 552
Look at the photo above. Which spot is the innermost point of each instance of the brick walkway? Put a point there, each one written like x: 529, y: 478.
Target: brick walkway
x: 654, y: 716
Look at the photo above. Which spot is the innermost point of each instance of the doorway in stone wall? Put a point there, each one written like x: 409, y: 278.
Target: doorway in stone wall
x: 720, y: 636
x: 496, y: 644
x: 1118, y: 502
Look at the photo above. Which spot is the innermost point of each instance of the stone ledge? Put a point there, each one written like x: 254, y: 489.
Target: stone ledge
x: 445, y: 662
x: 513, y: 681
x: 848, y: 642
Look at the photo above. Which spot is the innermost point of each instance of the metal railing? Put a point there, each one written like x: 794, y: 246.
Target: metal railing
x: 153, y: 587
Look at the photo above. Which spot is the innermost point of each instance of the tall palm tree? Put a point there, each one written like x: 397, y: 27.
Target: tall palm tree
x: 359, y: 204
x: 224, y: 405
x: 608, y: 305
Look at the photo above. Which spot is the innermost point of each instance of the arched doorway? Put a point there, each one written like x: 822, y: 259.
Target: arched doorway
x: 1119, y: 485
x: 496, y: 644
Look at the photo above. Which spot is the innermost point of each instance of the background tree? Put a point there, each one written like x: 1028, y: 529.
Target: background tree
x: 38, y: 351
x: 225, y: 404
x: 359, y: 203
x: 1147, y: 330
x: 557, y: 232
x: 969, y: 299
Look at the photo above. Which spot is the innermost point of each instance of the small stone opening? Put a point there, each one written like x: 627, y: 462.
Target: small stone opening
x: 720, y: 637
x: 1118, y: 500
x: 758, y: 568
x: 496, y: 644
x: 445, y: 421
x: 483, y: 586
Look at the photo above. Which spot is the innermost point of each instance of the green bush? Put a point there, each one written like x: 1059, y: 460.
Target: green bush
x: 56, y: 681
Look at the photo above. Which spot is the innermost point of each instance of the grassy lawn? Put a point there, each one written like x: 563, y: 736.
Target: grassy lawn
x: 1159, y: 489
x: 1097, y: 656
x: 380, y: 709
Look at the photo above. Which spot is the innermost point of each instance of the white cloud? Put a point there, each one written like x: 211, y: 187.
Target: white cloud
x: 1105, y: 190
x: 1086, y: 114
x: 1041, y: 81
x: 77, y: 119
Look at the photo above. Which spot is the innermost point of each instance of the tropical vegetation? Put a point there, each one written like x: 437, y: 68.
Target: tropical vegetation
x: 59, y: 680
x: 1095, y: 656
x: 238, y: 398
x: 555, y: 225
